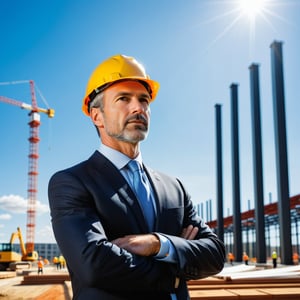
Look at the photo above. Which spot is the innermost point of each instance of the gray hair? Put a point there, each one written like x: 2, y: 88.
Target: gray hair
x: 97, y: 102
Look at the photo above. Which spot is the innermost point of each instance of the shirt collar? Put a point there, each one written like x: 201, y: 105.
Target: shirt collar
x: 119, y: 159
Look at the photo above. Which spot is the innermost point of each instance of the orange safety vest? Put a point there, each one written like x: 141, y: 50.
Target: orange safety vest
x: 230, y: 256
x: 296, y: 256
x: 40, y: 264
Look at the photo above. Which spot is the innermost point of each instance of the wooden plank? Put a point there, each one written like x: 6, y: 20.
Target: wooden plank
x: 45, y: 279
x: 212, y: 295
x: 242, y: 286
x: 250, y: 294
x: 283, y: 294
x: 246, y: 294
x: 218, y: 282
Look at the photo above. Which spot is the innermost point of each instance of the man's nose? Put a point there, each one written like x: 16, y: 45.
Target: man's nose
x: 139, y: 106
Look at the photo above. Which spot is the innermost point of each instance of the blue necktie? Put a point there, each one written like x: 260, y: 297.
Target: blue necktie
x: 141, y: 187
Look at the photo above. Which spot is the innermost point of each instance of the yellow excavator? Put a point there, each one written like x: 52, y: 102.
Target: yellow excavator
x: 12, y: 260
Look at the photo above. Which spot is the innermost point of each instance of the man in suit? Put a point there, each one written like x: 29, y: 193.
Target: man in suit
x: 115, y: 247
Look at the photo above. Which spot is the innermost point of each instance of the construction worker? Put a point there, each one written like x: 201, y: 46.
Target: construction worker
x: 274, y: 259
x: 245, y: 258
x: 231, y: 258
x: 62, y: 261
x: 296, y: 258
x: 127, y: 231
x: 56, y: 262
x: 40, y: 264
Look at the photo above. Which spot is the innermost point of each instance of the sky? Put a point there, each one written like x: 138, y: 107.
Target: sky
x: 195, y: 49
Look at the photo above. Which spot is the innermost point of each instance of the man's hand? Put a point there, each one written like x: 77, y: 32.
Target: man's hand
x: 190, y: 232
x: 141, y: 244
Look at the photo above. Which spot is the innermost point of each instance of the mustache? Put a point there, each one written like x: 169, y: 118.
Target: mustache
x: 138, y: 117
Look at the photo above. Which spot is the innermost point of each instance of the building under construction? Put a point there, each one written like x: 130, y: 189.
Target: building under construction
x: 266, y: 228
x: 272, y: 232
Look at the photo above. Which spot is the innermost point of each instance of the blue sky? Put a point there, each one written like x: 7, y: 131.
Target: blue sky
x: 196, y: 49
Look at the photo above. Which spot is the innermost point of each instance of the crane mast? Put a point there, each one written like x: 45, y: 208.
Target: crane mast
x: 32, y: 187
x: 33, y: 156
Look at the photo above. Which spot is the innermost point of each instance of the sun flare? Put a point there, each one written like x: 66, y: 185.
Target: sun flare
x: 251, y: 15
x: 251, y: 8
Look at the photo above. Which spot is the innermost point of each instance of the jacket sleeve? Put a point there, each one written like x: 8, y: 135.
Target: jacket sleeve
x: 199, y: 258
x: 83, y: 241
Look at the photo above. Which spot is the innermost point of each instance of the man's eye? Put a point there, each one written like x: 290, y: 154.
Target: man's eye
x: 145, y: 99
x: 123, y: 98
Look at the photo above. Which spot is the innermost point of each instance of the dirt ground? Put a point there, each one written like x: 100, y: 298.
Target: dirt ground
x: 33, y: 292
x: 12, y: 289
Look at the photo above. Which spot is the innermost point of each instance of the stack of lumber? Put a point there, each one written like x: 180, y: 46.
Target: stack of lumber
x: 248, y: 282
x: 45, y: 279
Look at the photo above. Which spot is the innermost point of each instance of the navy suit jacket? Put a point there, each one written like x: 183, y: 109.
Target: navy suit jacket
x: 91, y: 204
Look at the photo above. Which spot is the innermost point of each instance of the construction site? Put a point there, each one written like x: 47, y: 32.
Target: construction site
x: 258, y: 232
x: 226, y: 120
x: 234, y: 282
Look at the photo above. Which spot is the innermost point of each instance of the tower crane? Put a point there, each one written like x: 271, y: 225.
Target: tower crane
x: 32, y: 189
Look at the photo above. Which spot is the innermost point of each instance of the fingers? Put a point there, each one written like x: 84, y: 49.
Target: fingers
x: 186, y: 232
x: 193, y: 233
x: 190, y: 232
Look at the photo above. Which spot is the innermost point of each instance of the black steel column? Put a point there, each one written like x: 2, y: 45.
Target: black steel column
x: 281, y: 153
x: 237, y: 232
x: 257, y: 165
x: 220, y: 220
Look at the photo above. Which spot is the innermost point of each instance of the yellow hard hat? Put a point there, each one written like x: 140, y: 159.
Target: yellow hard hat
x: 116, y: 68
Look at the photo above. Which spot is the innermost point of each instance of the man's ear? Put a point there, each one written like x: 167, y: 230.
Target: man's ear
x: 96, y: 117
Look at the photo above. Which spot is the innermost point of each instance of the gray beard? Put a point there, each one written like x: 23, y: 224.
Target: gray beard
x: 127, y: 137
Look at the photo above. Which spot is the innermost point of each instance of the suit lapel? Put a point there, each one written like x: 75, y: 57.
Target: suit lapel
x: 116, y: 187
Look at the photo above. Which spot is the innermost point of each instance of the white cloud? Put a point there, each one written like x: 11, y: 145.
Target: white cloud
x: 5, y: 217
x: 17, y: 204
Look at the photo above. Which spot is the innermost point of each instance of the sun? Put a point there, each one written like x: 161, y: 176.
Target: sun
x: 249, y: 14
x: 252, y: 8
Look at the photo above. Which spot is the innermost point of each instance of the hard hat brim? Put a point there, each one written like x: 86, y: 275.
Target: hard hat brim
x: 153, y: 85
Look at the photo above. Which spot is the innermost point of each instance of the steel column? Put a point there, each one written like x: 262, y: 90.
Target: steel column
x: 220, y: 220
x: 281, y: 153
x: 237, y: 232
x: 257, y: 165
